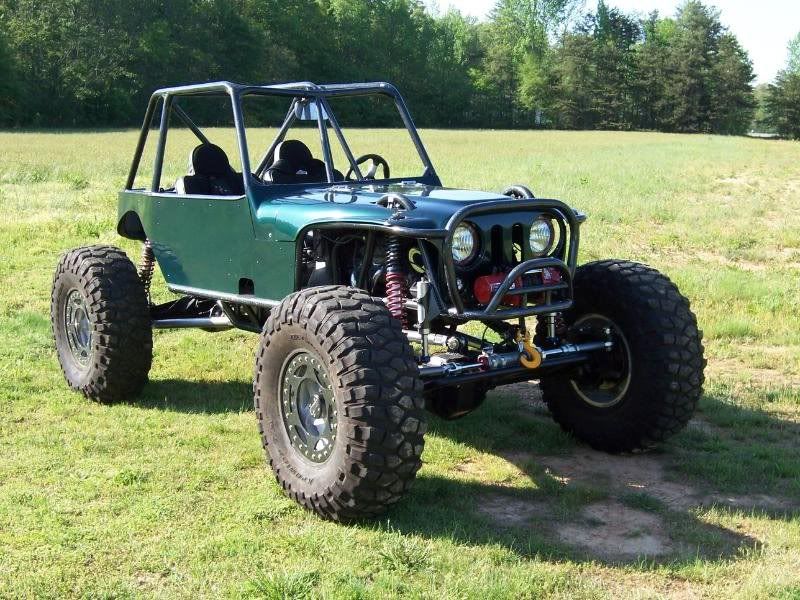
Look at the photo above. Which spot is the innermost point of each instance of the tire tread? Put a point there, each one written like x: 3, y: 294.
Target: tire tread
x: 378, y: 379
x: 674, y: 361
x: 120, y: 319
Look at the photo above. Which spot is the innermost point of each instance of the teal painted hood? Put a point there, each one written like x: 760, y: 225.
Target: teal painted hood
x: 281, y: 216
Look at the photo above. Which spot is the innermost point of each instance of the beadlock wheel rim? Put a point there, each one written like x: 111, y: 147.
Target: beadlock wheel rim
x: 308, y: 407
x: 603, y: 381
x: 78, y: 328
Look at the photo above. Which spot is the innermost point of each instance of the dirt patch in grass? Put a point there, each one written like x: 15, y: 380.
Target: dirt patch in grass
x: 749, y: 502
x: 739, y: 180
x: 640, y: 474
x: 150, y: 581
x: 717, y: 259
x: 508, y: 511
x: 475, y: 468
x: 472, y: 467
x: 732, y: 369
x: 767, y: 260
x: 635, y: 521
x: 785, y: 258
x: 644, y: 476
x: 612, y: 530
x: 608, y: 529
x: 529, y: 395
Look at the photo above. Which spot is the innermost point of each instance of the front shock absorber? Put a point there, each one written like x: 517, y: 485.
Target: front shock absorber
x: 395, y: 281
x: 147, y: 267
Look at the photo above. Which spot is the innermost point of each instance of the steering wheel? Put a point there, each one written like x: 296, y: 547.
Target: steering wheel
x: 377, y: 161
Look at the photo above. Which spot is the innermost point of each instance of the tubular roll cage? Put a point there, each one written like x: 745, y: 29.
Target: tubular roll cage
x: 305, y: 91
x: 441, y: 239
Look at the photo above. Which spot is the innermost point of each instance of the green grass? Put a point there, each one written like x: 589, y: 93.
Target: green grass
x: 169, y: 494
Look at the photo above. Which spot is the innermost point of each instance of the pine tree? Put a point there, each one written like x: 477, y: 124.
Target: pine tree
x: 614, y: 35
x: 783, y: 104
x: 652, y: 65
x: 783, y: 97
x: 761, y: 117
x: 733, y: 102
x: 695, y: 45
x: 574, y: 77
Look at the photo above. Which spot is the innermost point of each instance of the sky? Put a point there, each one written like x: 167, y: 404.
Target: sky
x: 764, y: 28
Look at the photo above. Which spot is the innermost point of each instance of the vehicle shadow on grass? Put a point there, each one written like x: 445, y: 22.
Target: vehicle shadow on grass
x: 537, y: 492
x: 553, y: 497
x: 196, y: 396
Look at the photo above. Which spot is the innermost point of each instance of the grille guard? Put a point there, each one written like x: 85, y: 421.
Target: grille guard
x: 493, y: 310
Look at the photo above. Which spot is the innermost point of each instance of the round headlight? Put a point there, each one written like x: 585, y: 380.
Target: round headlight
x: 541, y: 236
x: 465, y: 244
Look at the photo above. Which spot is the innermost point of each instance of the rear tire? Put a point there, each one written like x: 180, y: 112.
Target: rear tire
x: 339, y: 403
x: 648, y: 387
x: 101, y: 323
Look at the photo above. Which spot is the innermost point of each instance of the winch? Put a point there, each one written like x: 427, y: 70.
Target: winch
x: 485, y: 286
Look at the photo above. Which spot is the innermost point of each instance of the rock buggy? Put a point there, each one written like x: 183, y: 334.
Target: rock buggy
x: 365, y: 290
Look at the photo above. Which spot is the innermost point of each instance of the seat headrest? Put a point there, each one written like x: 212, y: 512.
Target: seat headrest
x: 293, y: 151
x: 210, y: 160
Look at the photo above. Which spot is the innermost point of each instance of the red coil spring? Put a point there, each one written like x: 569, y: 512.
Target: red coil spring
x: 395, y: 282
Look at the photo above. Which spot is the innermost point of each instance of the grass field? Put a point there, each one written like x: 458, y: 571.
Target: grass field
x: 169, y: 495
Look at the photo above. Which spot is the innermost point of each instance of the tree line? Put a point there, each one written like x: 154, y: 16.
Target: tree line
x: 533, y: 63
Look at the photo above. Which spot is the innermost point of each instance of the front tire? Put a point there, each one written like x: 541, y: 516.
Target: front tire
x: 101, y: 323
x: 647, y: 388
x: 339, y: 402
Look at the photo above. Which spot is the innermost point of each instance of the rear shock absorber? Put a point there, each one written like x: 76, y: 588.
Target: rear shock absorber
x: 146, y: 267
x: 395, y: 281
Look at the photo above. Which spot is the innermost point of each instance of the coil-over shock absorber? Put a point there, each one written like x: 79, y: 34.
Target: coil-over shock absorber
x: 395, y: 281
x: 147, y: 267
x: 395, y: 276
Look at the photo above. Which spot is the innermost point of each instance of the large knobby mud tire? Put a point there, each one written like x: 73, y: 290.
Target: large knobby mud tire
x: 101, y: 324
x: 375, y: 396
x: 664, y: 347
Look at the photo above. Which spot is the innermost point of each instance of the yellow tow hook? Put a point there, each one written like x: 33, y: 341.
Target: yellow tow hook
x: 529, y: 355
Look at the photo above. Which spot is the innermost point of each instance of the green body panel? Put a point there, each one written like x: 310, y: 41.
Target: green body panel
x: 284, y: 215
x: 210, y: 243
